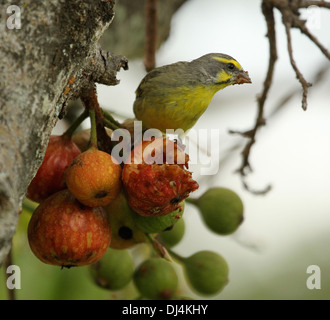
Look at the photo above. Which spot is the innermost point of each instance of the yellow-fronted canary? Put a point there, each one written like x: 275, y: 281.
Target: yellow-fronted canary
x: 176, y: 95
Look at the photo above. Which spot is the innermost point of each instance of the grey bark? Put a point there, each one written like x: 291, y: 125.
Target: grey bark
x: 42, y: 66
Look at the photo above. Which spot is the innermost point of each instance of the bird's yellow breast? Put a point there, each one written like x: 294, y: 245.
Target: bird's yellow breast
x: 174, y: 108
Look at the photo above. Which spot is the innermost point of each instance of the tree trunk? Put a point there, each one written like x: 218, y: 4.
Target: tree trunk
x: 45, y: 63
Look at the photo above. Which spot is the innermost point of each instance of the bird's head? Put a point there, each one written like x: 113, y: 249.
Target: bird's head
x: 222, y: 70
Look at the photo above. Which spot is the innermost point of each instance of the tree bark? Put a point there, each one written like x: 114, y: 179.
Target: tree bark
x: 45, y: 63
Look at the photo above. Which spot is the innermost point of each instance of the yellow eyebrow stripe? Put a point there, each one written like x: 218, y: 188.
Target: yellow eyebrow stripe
x: 234, y: 62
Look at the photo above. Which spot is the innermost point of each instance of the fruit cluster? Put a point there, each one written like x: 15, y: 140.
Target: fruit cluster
x: 92, y: 210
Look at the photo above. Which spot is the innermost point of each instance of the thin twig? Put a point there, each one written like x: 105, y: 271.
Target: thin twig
x: 305, y: 85
x: 279, y: 105
x: 308, y: 3
x: 302, y: 27
x: 151, y: 30
x: 286, y: 98
x: 289, y: 10
x: 267, y: 10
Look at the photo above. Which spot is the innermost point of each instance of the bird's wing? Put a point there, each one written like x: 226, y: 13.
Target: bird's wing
x: 162, y: 78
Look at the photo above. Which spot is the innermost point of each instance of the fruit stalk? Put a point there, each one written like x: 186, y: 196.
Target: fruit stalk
x: 159, y: 248
x: 175, y: 255
x: 110, y: 120
x: 69, y: 132
x: 93, y: 141
x: 91, y: 103
x: 110, y: 125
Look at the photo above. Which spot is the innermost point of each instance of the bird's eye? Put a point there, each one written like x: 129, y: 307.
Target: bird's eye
x: 230, y: 66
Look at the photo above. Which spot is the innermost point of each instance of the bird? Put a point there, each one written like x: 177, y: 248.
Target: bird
x: 174, y: 96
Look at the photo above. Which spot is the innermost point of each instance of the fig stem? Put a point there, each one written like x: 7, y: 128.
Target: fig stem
x: 29, y: 205
x: 150, y: 238
x: 75, y: 124
x: 108, y: 118
x: 175, y: 255
x: 159, y: 248
x: 89, y: 99
x: 93, y: 140
x: 109, y: 124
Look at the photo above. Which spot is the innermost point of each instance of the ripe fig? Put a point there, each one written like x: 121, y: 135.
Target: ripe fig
x: 125, y: 232
x: 155, y: 178
x: 206, y: 272
x: 169, y: 238
x: 114, y: 270
x: 94, y: 178
x: 156, y: 279
x: 158, y: 223
x: 66, y: 233
x: 60, y: 153
x: 221, y: 210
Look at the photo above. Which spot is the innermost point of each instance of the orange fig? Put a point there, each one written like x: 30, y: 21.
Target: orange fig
x: 94, y: 178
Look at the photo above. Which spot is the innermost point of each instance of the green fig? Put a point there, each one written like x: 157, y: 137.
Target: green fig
x: 169, y: 238
x: 206, y: 272
x: 156, y: 279
x: 114, y: 270
x: 124, y: 231
x: 221, y: 209
x: 156, y: 224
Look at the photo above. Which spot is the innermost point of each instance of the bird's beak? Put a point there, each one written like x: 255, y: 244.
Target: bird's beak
x: 243, y: 77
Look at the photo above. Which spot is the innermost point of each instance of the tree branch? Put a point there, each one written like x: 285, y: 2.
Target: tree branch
x: 267, y: 10
x: 305, y: 85
x: 308, y: 3
x: 43, y: 65
x: 302, y: 27
x: 151, y: 31
x: 289, y: 10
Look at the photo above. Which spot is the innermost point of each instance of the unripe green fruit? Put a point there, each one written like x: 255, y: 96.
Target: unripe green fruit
x: 169, y: 238
x: 125, y: 233
x: 206, y: 271
x: 156, y: 279
x: 156, y: 224
x: 114, y: 270
x: 221, y: 210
